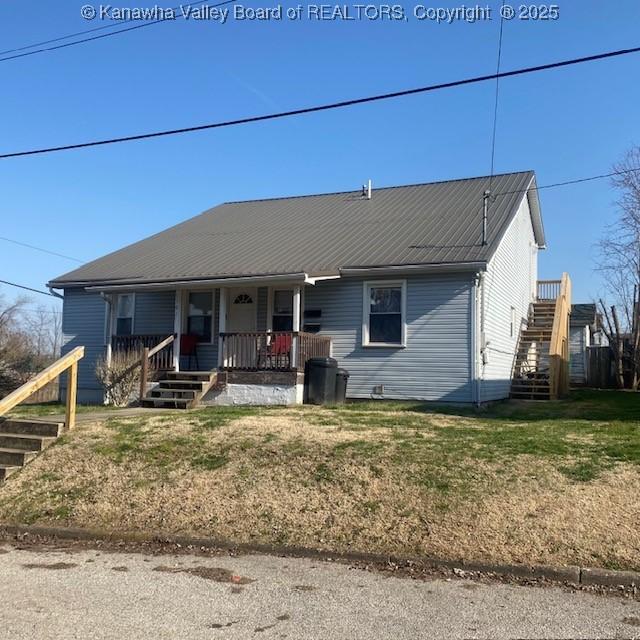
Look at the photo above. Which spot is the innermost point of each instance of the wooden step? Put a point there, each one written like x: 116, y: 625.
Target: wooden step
x: 197, y: 376
x: 196, y: 385
x: 525, y: 395
x: 527, y: 388
x: 25, y: 442
x: 173, y: 393
x: 16, y: 457
x: 168, y: 403
x: 6, y: 470
x: 31, y: 427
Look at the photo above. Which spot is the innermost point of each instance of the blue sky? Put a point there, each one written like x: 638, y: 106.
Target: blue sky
x: 563, y: 124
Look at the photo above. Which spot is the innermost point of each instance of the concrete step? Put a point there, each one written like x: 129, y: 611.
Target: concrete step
x: 16, y: 457
x: 6, y: 470
x: 25, y: 442
x: 31, y: 427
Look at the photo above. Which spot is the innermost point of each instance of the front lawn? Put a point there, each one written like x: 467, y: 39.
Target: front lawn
x: 553, y: 483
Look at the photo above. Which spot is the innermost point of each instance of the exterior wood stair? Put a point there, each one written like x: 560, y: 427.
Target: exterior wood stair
x: 531, y: 368
x: 180, y: 389
x: 21, y: 440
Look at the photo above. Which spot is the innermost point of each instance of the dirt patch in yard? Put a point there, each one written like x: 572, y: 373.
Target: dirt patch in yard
x: 388, y: 481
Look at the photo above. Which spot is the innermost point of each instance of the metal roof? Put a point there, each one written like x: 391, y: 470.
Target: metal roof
x: 425, y: 224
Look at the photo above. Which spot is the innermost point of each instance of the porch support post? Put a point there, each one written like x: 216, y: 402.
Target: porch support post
x: 108, y: 304
x: 222, y: 324
x: 296, y: 325
x: 177, y: 329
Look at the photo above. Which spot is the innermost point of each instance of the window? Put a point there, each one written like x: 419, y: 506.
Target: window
x: 384, y: 323
x: 243, y: 298
x: 199, y: 315
x: 124, y: 314
x: 282, y: 317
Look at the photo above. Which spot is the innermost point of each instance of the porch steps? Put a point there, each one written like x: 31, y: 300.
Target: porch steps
x: 530, y: 379
x: 180, y: 389
x: 22, y: 439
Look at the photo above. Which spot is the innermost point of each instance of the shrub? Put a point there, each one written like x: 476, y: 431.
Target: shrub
x: 121, y: 377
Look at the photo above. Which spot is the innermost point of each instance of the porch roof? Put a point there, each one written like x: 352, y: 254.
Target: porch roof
x: 424, y: 225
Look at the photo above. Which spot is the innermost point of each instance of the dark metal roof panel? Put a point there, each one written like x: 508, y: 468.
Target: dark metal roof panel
x: 319, y: 234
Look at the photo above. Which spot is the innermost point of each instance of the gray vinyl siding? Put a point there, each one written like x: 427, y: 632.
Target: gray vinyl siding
x: 577, y: 354
x: 509, y: 281
x: 436, y: 362
x: 154, y: 312
x: 83, y: 325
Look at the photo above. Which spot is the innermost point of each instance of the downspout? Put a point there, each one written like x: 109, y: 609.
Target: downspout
x: 479, y: 355
x: 107, y: 325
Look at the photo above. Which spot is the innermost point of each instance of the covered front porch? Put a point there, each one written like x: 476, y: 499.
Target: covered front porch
x: 247, y: 334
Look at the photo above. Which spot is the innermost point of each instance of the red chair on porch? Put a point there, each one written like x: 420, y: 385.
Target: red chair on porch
x: 279, y: 349
x: 189, y: 347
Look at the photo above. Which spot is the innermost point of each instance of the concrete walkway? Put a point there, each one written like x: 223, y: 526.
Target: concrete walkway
x: 92, y: 594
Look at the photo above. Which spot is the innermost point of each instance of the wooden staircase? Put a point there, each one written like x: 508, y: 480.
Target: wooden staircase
x: 541, y: 365
x: 181, y: 389
x: 531, y: 371
x: 22, y: 440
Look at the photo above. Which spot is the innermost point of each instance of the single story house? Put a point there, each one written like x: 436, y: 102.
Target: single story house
x: 419, y: 291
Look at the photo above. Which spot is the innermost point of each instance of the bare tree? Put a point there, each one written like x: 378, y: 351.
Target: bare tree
x: 44, y: 326
x: 619, y: 262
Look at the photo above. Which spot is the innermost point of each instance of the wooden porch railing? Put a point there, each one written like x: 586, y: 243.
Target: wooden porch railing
x: 311, y: 345
x: 548, y: 290
x: 68, y: 361
x: 271, y: 350
x: 559, y: 346
x: 162, y: 358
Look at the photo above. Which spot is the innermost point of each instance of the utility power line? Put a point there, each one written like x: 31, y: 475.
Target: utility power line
x: 328, y: 106
x: 20, y: 52
x: 495, y: 104
x: 31, y: 246
x: 21, y: 286
x: 570, y: 182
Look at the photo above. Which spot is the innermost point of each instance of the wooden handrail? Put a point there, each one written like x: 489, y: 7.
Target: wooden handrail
x: 161, y: 345
x: 559, y: 345
x: 68, y: 361
x: 147, y: 353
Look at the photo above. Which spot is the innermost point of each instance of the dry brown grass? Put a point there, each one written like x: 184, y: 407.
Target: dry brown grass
x: 320, y: 478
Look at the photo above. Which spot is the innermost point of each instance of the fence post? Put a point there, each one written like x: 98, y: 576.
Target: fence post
x: 144, y: 373
x: 72, y: 394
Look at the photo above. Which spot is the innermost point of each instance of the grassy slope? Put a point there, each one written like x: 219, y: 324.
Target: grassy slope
x: 547, y: 482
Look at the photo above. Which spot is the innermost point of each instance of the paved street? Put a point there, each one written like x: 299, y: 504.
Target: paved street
x: 94, y: 594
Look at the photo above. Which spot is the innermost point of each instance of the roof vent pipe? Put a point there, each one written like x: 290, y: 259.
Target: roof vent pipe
x: 485, y: 207
x: 366, y: 190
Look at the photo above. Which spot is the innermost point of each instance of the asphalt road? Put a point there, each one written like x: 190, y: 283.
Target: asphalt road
x: 92, y: 594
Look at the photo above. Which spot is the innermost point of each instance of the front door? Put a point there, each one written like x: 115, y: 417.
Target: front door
x: 242, y: 350
x: 242, y: 310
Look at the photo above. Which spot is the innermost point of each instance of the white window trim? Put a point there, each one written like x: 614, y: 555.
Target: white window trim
x: 366, y: 287
x: 115, y: 316
x: 185, y: 312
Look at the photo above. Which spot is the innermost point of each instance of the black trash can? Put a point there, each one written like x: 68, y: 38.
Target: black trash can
x: 320, y: 380
x: 342, y: 378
